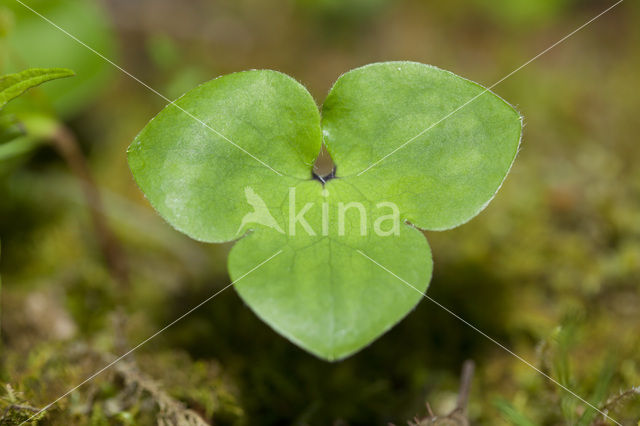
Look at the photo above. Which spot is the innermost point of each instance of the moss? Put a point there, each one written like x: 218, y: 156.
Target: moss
x: 192, y: 393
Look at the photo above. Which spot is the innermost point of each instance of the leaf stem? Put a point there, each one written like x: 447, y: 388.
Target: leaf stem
x: 65, y: 143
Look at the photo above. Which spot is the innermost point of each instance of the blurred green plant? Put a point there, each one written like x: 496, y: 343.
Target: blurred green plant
x: 557, y: 351
x: 21, y: 135
x: 511, y: 413
x: 13, y: 85
x: 28, y: 41
x: 523, y: 13
x: 23, y: 132
x: 343, y: 11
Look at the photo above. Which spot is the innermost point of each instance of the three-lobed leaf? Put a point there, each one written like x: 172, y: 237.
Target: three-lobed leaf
x: 206, y: 177
x: 14, y: 85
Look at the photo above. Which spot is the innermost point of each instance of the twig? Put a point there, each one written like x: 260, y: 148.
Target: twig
x: 172, y: 411
x: 66, y: 144
x: 458, y: 416
x: 64, y: 141
x: 22, y: 407
x: 13, y: 407
x: 617, y: 399
x: 430, y: 411
x: 466, y: 377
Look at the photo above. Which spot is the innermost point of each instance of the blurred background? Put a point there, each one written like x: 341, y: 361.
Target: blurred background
x: 551, y: 269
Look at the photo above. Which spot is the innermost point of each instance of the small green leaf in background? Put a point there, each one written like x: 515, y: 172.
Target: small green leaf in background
x: 512, y: 414
x: 13, y: 85
x: 10, y: 127
x: 320, y: 291
x: 18, y: 147
x: 565, y: 338
x: 32, y: 42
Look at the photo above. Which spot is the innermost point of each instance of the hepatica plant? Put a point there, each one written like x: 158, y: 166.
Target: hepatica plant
x: 232, y: 160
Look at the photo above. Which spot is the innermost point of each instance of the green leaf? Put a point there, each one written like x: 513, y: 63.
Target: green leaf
x: 196, y: 179
x: 232, y: 159
x: 443, y: 177
x: 14, y: 85
x: 320, y: 292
